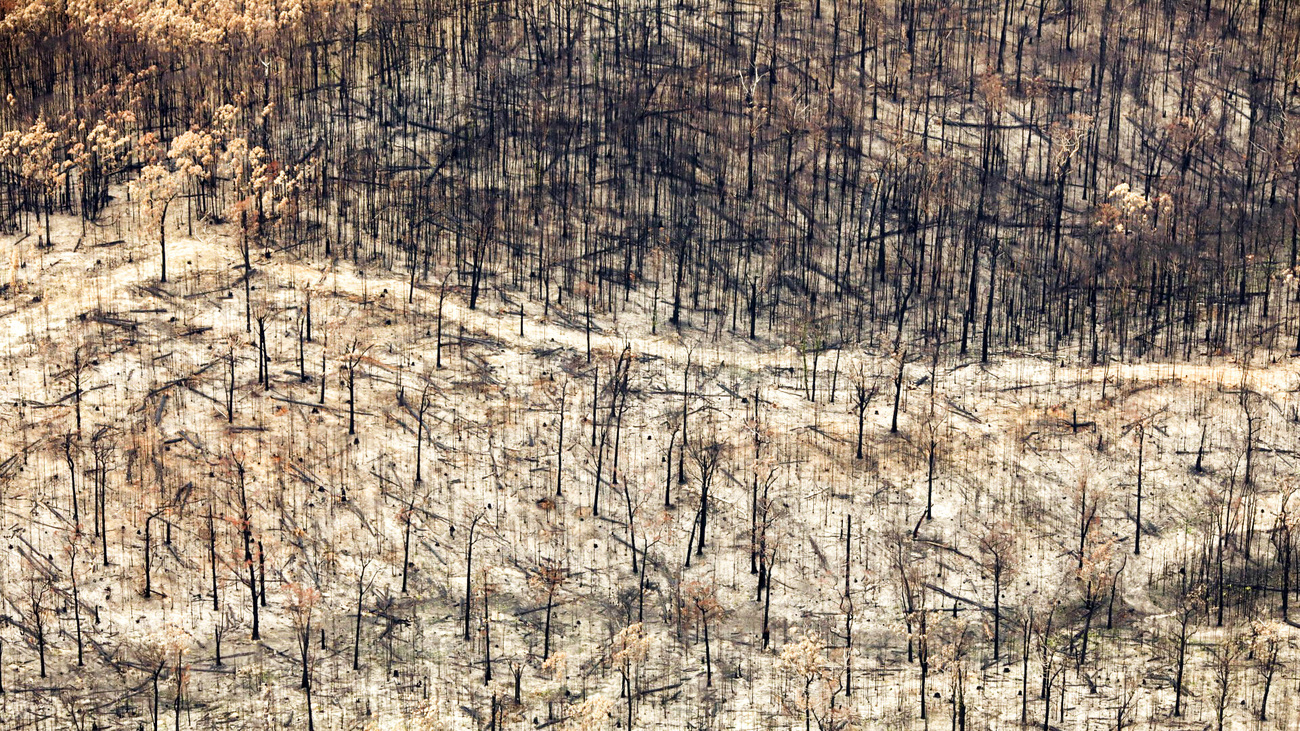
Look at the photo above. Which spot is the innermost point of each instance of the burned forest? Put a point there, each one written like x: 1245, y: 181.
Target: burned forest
x: 649, y: 364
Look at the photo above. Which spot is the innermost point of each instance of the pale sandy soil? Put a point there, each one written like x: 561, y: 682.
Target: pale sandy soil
x: 327, y: 505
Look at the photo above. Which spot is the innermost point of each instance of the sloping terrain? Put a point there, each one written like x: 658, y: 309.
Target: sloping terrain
x: 1015, y: 457
x: 634, y: 363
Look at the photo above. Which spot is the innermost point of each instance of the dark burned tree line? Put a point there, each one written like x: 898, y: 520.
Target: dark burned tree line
x: 1102, y: 178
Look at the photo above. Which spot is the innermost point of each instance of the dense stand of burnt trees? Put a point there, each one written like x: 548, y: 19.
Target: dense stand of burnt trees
x: 1101, y: 179
x: 864, y: 168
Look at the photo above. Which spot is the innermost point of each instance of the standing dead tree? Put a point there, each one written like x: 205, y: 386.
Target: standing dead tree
x: 353, y: 357
x: 805, y: 661
x: 627, y: 654
x: 865, y: 389
x: 243, y: 521
x: 547, y: 580
x: 998, y: 557
x: 617, y: 387
x: 706, y: 454
x: 302, y: 604
x: 469, y: 568
x: 703, y: 605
